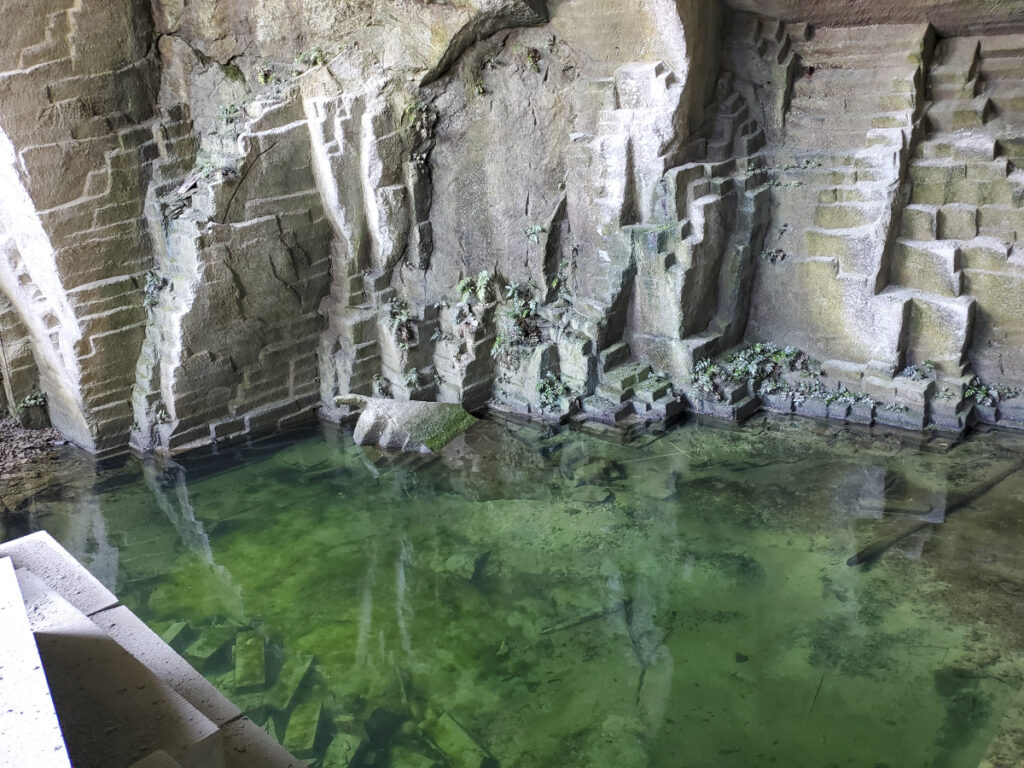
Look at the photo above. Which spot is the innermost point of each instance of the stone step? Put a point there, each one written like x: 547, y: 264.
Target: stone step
x: 996, y: 68
x: 846, y: 215
x: 601, y: 409
x: 967, y: 148
x: 956, y: 90
x: 996, y: 46
x: 1012, y: 149
x: 824, y: 58
x: 963, y: 51
x: 32, y: 733
x: 856, y: 103
x: 625, y: 376
x: 929, y: 267
x: 957, y: 221
x: 804, y: 121
x: 939, y: 328
x: 832, y: 82
x: 1001, y: 218
x: 856, y: 249
x: 149, y: 713
x: 158, y: 759
x: 615, y: 355
x: 949, y: 116
x: 652, y: 389
x: 919, y: 222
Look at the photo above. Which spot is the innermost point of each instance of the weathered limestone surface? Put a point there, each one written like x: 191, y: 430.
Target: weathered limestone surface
x: 217, y: 217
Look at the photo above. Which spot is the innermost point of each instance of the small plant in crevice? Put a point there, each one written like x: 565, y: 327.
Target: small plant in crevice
x: 229, y: 113
x: 381, y: 385
x: 773, y: 255
x: 412, y: 378
x: 478, y: 87
x: 532, y: 56
x: 151, y: 289
x: 534, y: 232
x: 895, y: 407
x: 551, y: 389
x: 479, y: 286
x: 401, y: 321
x: 704, y: 374
x: 314, y: 57
x: 518, y: 327
x: 987, y: 395
x: 34, y: 399
x: 161, y: 416
x: 919, y: 371
x: 265, y: 76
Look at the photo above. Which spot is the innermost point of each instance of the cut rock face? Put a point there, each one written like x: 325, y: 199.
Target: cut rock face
x: 411, y: 427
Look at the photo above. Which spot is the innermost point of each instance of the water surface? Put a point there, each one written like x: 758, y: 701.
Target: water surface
x: 678, y: 599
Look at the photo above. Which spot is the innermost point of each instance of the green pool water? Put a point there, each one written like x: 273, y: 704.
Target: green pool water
x: 550, y: 597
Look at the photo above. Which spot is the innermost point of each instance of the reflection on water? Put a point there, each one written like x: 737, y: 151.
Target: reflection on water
x: 550, y: 597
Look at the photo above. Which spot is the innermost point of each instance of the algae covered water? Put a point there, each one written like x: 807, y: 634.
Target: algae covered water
x: 548, y: 597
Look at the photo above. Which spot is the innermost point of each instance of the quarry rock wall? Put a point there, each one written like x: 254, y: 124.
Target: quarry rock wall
x: 220, y: 219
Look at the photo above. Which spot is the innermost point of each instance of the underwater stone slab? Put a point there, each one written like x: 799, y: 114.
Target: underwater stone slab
x: 414, y: 426
x: 303, y: 729
x: 250, y: 661
x: 289, y: 680
x: 461, y: 748
x: 211, y: 641
x: 342, y: 751
x: 404, y: 758
x: 177, y: 635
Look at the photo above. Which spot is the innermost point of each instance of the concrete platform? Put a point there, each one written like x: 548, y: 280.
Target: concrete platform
x: 103, y: 690
x: 29, y: 731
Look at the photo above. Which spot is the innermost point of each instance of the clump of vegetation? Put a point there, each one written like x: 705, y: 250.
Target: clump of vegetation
x: 479, y: 286
x: 314, y: 57
x: 412, y: 378
x: 896, y: 407
x: 533, y: 59
x: 704, y: 378
x: 478, y: 86
x: 533, y: 233
x: 518, y: 327
x: 265, y: 76
x: 552, y: 390
x: 773, y: 255
x: 34, y: 399
x: 229, y: 113
x: 381, y: 385
x: 919, y: 372
x: 401, y: 321
x: 151, y: 290
x: 767, y: 369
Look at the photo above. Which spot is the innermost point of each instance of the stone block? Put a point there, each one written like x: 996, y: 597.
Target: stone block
x: 49, y: 561
x: 250, y: 661
x: 957, y: 222
x: 342, y: 750
x: 462, y: 749
x: 31, y: 733
x: 213, y: 643
x: 919, y: 222
x: 304, y: 727
x: 293, y: 674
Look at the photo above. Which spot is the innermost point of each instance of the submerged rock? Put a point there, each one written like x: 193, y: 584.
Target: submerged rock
x: 410, y: 426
